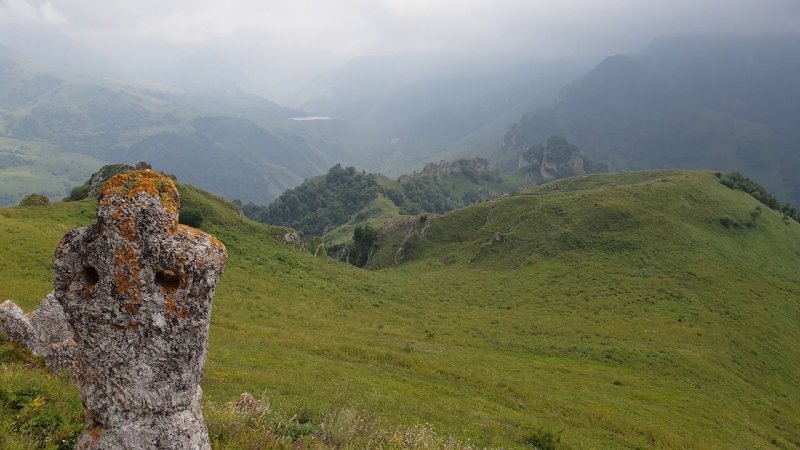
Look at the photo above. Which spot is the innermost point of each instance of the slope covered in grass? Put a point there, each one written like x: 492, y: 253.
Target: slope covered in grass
x: 616, y: 310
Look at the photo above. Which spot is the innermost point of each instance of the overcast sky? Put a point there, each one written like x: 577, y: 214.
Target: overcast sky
x: 320, y: 32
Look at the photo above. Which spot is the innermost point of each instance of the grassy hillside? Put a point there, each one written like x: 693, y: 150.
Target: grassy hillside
x: 27, y: 167
x: 614, y: 310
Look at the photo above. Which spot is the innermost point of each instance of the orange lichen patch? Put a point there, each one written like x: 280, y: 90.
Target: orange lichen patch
x: 127, y: 257
x: 169, y: 307
x: 96, y: 432
x: 127, y: 278
x: 132, y: 307
x: 152, y: 183
x: 126, y: 326
x: 194, y: 232
x: 183, y: 313
x: 128, y: 229
x: 121, y: 283
x: 126, y: 225
x: 87, y: 292
x: 216, y: 242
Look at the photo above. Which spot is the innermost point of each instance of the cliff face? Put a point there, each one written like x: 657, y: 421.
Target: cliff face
x: 557, y: 158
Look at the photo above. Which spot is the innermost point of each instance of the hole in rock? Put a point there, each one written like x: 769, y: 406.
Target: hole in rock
x: 90, y: 275
x: 169, y: 280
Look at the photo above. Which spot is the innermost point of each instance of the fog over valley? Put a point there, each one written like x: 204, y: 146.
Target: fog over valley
x: 248, y: 99
x: 279, y: 46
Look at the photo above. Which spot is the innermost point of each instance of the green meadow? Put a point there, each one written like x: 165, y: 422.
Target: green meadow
x: 602, y: 311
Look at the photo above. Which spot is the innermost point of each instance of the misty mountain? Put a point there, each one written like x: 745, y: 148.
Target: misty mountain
x: 427, y: 108
x: 203, y: 72
x: 722, y: 102
x: 238, y: 145
x: 42, y: 43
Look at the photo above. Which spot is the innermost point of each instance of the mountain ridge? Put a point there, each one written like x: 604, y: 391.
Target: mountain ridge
x: 721, y: 102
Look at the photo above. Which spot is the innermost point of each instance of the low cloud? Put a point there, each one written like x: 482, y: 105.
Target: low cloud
x: 30, y: 11
x: 308, y: 33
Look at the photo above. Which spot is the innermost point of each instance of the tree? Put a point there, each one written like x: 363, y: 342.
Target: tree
x: 191, y: 217
x: 365, y: 240
x: 35, y: 200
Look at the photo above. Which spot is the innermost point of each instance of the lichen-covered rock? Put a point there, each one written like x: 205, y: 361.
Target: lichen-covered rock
x: 137, y: 288
x: 45, y: 332
x: 16, y: 325
x: 53, y: 335
x: 49, y: 322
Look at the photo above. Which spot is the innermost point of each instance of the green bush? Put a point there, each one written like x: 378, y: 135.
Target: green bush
x: 78, y: 193
x: 35, y: 200
x: 730, y: 222
x: 191, y: 217
x: 543, y: 440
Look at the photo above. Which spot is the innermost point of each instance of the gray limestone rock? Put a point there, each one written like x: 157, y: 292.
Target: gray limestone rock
x: 136, y: 289
x: 45, y: 332
x: 15, y: 324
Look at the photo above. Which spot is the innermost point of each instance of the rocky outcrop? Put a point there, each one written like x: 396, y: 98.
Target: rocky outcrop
x: 45, y: 332
x: 557, y: 158
x: 136, y: 289
x: 106, y: 172
x: 15, y: 324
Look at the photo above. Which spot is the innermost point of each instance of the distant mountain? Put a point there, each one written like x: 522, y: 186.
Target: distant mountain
x: 422, y: 108
x: 724, y: 102
x: 43, y: 43
x: 236, y: 144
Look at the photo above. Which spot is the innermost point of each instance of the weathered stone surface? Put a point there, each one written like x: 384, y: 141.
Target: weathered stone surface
x: 15, y: 324
x: 50, y: 323
x: 44, y: 332
x: 137, y: 288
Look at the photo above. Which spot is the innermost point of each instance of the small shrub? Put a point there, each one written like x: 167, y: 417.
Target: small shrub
x: 191, y: 217
x: 543, y: 440
x: 35, y: 200
x: 78, y: 193
x: 730, y: 222
x: 396, y: 197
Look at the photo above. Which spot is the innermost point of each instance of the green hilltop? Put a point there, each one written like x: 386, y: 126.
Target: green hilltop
x: 331, y: 206
x: 597, y: 311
